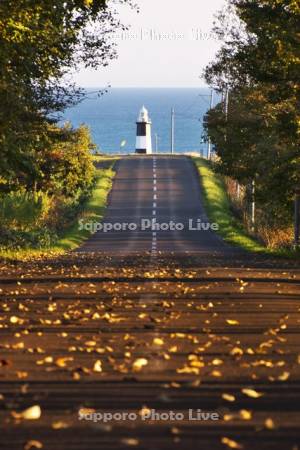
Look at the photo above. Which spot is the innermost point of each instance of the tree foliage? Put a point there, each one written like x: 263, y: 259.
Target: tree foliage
x: 41, y: 41
x: 259, y: 62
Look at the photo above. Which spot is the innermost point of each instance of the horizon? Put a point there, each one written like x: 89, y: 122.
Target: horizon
x: 144, y: 87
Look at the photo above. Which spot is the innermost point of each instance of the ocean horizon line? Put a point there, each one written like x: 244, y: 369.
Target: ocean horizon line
x: 144, y: 87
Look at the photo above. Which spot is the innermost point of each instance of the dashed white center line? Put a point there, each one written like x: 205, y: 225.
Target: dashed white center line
x: 154, y: 234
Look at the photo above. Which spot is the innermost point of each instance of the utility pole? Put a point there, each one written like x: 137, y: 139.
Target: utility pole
x: 202, y: 142
x: 226, y: 106
x: 297, y: 218
x: 156, y: 143
x: 226, y: 102
x: 172, y: 129
x: 253, y: 206
x: 209, y: 139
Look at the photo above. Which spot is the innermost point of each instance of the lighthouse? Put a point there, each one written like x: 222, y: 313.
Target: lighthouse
x: 143, y: 133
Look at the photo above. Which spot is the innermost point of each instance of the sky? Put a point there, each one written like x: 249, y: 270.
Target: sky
x: 168, y: 45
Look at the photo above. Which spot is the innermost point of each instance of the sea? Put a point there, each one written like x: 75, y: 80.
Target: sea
x: 112, y: 117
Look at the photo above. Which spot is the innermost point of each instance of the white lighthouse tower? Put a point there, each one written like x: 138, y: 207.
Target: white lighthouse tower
x: 143, y: 133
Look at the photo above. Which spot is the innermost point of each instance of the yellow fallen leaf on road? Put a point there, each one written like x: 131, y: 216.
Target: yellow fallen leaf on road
x: 232, y: 322
x: 228, y: 397
x: 84, y: 411
x: 245, y: 414
x: 130, y: 441
x: 15, y: 319
x: 252, y: 393
x: 91, y: 343
x: 269, y: 424
x: 158, y: 341
x: 32, y: 413
x: 284, y: 376
x: 33, y: 444
x: 230, y: 443
x: 217, y: 362
x: 236, y: 351
x: 139, y: 364
x: 62, y: 362
x: 59, y: 425
x: 144, y: 411
x: 197, y: 364
x: 216, y: 373
x: 97, y: 366
x: 187, y: 369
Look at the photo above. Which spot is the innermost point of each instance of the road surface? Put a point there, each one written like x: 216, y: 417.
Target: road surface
x: 182, y: 324
x: 165, y: 190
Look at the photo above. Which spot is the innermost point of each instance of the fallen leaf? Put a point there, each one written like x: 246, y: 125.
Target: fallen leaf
x: 187, y: 369
x: 252, y: 393
x: 62, y: 362
x: 59, y: 425
x: 216, y: 373
x: 245, y: 414
x: 33, y: 444
x: 158, y: 341
x: 139, y: 364
x: 230, y: 443
x: 284, y: 376
x: 32, y: 413
x: 228, y: 397
x: 232, y: 322
x: 86, y: 411
x: 97, y: 366
x: 144, y: 411
x: 236, y: 351
x: 217, y: 362
x: 269, y: 424
x: 130, y: 441
x: 15, y: 319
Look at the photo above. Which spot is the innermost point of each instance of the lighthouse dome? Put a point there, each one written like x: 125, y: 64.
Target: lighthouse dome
x: 144, y: 115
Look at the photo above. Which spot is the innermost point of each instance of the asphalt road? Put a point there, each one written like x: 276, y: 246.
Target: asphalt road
x: 161, y: 197
x: 131, y: 324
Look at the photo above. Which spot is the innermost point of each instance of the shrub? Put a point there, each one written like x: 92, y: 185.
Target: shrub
x: 24, y: 211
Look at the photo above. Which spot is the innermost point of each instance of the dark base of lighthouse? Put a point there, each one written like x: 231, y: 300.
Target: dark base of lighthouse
x: 141, y: 151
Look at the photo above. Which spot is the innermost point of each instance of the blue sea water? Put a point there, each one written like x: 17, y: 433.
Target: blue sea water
x: 112, y: 117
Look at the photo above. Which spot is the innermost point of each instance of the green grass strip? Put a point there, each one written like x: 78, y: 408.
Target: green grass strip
x: 217, y: 206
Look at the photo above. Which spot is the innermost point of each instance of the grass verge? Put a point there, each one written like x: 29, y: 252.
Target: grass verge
x: 217, y: 206
x: 93, y: 211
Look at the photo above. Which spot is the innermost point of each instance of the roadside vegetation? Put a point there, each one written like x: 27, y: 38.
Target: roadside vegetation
x: 255, y: 129
x: 219, y: 208
x: 39, y: 225
x: 47, y: 174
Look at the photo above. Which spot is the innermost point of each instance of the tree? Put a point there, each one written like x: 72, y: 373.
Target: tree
x: 41, y: 41
x: 259, y: 62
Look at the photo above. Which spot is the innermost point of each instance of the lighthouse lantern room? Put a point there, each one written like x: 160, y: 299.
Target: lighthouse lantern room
x: 143, y: 133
